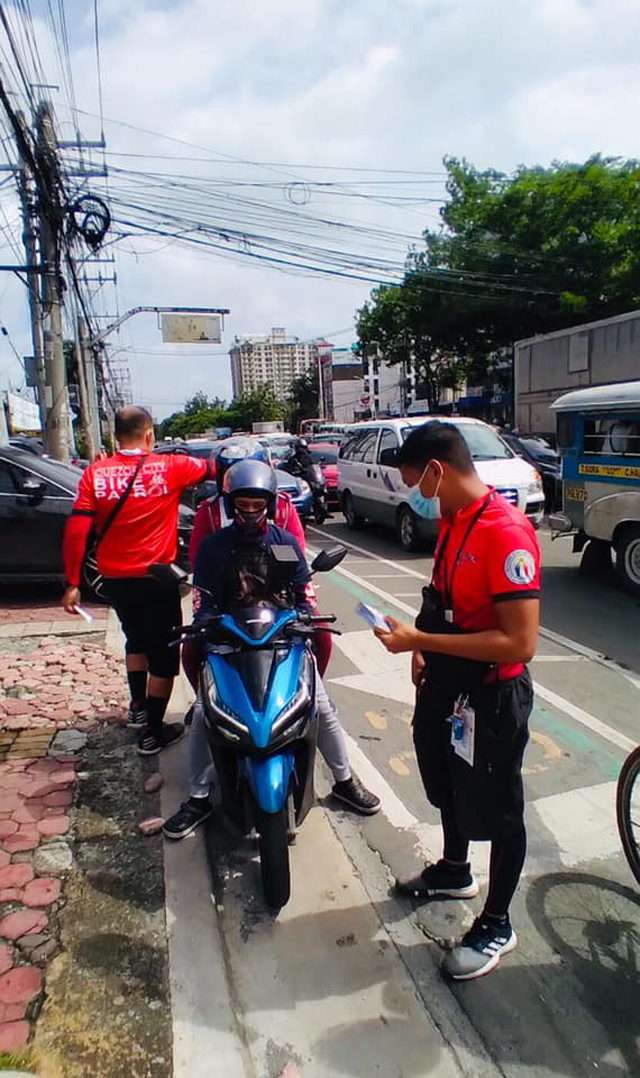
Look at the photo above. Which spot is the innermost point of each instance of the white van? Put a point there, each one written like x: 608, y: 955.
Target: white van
x: 370, y: 486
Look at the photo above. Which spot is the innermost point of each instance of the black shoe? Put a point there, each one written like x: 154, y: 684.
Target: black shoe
x: 153, y: 742
x: 189, y: 816
x: 136, y: 718
x: 188, y: 719
x: 480, y: 949
x: 354, y: 794
x: 441, y: 880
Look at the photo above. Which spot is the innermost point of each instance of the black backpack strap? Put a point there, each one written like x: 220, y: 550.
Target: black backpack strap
x: 119, y: 504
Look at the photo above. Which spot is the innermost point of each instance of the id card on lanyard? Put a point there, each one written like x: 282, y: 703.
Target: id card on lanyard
x: 463, y: 729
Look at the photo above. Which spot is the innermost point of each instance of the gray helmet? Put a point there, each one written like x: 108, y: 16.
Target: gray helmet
x: 250, y: 477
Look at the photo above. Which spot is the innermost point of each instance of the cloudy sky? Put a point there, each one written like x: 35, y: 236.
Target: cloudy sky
x: 330, y: 118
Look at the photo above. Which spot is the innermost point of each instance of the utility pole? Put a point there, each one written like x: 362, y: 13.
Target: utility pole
x: 56, y: 402
x: 88, y: 390
x: 4, y: 430
x: 29, y: 237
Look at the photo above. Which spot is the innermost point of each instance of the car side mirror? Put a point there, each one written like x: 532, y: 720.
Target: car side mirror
x: 327, y: 560
x: 389, y: 458
x: 35, y: 489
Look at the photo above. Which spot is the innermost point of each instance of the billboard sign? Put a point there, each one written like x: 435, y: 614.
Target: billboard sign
x: 192, y: 328
x: 24, y: 415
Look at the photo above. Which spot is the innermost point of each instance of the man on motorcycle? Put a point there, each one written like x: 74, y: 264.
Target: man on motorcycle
x: 231, y: 568
x: 212, y: 516
x: 299, y: 461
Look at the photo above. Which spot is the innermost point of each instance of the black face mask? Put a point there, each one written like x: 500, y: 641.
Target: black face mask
x: 251, y: 525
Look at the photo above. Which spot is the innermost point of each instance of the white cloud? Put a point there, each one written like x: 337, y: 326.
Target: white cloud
x: 372, y: 83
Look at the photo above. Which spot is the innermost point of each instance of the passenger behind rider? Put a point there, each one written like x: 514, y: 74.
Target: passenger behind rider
x: 232, y: 569
x: 212, y: 516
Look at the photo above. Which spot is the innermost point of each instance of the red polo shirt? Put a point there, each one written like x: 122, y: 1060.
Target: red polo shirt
x: 500, y: 561
x: 145, y: 531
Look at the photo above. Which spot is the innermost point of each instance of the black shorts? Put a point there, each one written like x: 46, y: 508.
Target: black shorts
x: 148, y: 611
x: 486, y: 800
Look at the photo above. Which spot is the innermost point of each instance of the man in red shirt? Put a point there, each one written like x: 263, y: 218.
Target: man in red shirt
x: 477, y: 629
x: 144, y: 533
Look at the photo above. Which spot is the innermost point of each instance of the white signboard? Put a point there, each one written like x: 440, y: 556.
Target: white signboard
x: 23, y: 415
x: 192, y: 328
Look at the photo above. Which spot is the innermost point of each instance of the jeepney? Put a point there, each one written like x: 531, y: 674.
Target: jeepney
x: 599, y: 442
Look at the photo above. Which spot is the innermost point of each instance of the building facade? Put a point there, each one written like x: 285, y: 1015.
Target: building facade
x: 592, y: 354
x: 272, y: 359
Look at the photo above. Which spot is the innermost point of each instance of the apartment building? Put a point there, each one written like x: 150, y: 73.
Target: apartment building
x: 272, y: 358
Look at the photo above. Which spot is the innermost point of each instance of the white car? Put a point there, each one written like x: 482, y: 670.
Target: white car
x: 370, y: 486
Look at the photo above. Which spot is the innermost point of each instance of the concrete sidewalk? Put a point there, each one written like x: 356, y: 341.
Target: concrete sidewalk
x: 323, y: 990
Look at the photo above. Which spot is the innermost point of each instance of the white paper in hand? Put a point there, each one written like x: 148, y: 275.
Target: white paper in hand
x: 373, y: 617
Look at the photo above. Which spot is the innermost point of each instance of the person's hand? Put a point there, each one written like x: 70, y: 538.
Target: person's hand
x: 399, y: 638
x: 70, y: 599
x: 417, y: 667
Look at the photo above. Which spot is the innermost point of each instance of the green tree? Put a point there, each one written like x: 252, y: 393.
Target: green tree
x: 261, y: 405
x: 304, y: 397
x: 516, y: 255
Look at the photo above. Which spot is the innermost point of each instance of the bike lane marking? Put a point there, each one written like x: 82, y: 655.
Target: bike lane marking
x: 364, y: 589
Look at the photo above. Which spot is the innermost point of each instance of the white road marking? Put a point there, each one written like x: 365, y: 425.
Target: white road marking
x: 549, y: 634
x: 370, y: 555
x: 393, y: 808
x: 578, y: 714
x: 560, y: 659
x: 585, y: 719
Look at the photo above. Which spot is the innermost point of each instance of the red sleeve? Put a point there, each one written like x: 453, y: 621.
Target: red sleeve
x: 201, y: 529
x: 78, y: 527
x: 291, y: 521
x: 186, y: 471
x: 513, y: 564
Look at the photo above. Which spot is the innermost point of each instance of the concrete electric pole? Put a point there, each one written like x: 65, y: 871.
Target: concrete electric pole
x: 56, y: 432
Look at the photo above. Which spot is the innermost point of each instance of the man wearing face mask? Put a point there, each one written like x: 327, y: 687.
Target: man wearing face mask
x: 232, y: 569
x: 476, y: 630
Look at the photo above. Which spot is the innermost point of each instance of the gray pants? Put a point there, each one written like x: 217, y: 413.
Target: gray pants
x: 330, y: 742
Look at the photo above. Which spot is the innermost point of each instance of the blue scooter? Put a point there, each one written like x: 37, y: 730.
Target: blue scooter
x: 258, y: 693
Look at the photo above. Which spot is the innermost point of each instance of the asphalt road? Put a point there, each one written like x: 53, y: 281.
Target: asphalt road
x: 346, y: 981
x: 567, y: 1001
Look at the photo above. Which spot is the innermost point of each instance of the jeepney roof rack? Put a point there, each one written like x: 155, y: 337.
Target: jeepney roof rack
x: 617, y: 397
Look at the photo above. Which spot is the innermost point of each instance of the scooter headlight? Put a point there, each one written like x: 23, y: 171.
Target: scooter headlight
x: 227, y: 720
x: 291, y: 712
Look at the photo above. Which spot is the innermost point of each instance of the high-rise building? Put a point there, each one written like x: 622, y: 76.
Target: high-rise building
x: 272, y: 359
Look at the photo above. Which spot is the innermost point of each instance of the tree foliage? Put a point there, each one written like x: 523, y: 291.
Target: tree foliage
x: 516, y: 255
x: 201, y: 414
x: 304, y: 397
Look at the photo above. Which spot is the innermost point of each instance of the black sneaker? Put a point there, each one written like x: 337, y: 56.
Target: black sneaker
x: 137, y: 717
x: 441, y: 880
x: 189, y: 816
x: 480, y: 949
x: 354, y: 794
x: 151, y: 742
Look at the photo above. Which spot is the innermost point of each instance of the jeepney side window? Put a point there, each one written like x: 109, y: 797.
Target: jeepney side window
x: 594, y: 434
x: 566, y: 432
x: 612, y: 437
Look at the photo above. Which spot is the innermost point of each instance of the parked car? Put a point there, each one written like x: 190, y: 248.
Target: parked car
x: 36, y: 498
x: 541, y: 454
x: 370, y: 486
x: 326, y: 455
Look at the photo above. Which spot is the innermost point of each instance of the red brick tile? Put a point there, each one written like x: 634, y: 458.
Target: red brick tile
x: 30, y: 812
x: 42, y: 892
x: 20, y: 985
x: 59, y: 798
x: 13, y: 1036
x: 11, y: 894
x: 7, y: 827
x: 12, y: 1012
x: 16, y: 875
x: 56, y: 825
x: 22, y: 923
x: 6, y: 957
x: 21, y: 842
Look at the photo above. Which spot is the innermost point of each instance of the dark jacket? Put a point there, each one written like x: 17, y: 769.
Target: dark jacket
x: 224, y: 556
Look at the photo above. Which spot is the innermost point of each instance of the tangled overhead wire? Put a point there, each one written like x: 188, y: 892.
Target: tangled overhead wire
x: 89, y: 218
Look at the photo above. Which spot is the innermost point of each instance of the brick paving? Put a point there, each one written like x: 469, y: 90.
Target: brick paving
x: 48, y: 684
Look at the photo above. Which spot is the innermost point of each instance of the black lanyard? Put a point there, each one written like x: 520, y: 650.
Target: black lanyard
x: 448, y: 584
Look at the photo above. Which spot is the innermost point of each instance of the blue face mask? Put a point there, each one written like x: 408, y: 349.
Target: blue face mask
x: 427, y: 508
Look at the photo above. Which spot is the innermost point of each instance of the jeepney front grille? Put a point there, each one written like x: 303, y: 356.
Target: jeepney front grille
x: 510, y: 494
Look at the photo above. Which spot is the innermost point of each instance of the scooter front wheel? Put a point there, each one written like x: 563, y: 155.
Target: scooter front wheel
x: 274, y: 857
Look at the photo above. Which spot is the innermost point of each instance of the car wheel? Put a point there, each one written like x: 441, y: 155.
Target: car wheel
x: 627, y: 547
x: 407, y: 529
x: 353, y: 519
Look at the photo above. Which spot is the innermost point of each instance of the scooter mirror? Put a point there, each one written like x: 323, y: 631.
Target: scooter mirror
x: 327, y: 560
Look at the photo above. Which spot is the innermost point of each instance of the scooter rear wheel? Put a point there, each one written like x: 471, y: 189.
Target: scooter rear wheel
x: 274, y: 858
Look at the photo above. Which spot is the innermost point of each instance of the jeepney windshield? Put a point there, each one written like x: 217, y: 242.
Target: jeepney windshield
x: 612, y: 436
